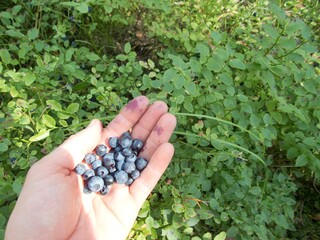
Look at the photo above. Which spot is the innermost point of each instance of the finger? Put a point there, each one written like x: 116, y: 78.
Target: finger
x: 141, y: 187
x: 73, y: 150
x: 149, y: 119
x: 127, y: 118
x: 161, y: 133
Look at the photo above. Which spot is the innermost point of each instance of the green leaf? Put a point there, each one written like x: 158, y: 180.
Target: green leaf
x: 127, y: 48
x: 29, y: 79
x: 178, y: 208
x: 204, y: 214
x: 226, y: 78
x: 72, y: 108
x: 42, y: 134
x: 216, y: 37
x: 178, y: 61
x: 92, y: 57
x: 82, y: 8
x: 255, y: 191
x: 48, y: 121
x: 215, y: 63
x: 54, y: 105
x: 179, y: 82
x: 237, y: 63
x: 3, y: 147
x: 301, y: 161
x: 281, y: 221
x: 310, y: 141
x: 5, y: 56
x: 33, y: 34
x: 203, y: 50
x: 221, y: 236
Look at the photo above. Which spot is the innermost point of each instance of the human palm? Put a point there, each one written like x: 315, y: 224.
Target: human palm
x: 52, y: 204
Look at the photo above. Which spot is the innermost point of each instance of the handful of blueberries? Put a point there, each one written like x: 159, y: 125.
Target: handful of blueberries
x: 121, y: 164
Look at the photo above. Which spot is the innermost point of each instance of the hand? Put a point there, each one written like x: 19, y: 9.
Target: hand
x: 52, y: 204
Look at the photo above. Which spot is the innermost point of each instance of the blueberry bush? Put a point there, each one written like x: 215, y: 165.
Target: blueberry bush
x: 242, y: 77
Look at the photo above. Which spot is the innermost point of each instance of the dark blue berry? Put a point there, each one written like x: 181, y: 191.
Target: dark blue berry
x: 119, y: 156
x: 88, y: 174
x: 108, y: 157
x: 119, y: 164
x: 101, y: 150
x: 129, y: 182
x: 104, y: 190
x: 141, y: 163
x: 117, y: 149
x: 131, y: 158
x: 86, y: 190
x: 126, y: 152
x: 137, y: 144
x: 126, y: 134
x: 80, y: 169
x: 121, y: 177
x: 125, y: 142
x: 96, y: 164
x: 113, y: 142
x: 135, y: 174
x: 90, y: 157
x: 102, y: 171
x: 128, y: 167
x: 95, y: 184
x: 108, y: 180
x: 109, y: 164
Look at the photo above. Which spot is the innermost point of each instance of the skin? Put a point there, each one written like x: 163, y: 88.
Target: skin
x: 52, y: 204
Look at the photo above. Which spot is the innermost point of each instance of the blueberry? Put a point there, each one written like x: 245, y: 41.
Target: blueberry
x: 135, y: 174
x: 121, y: 177
x: 129, y: 182
x: 95, y: 183
x: 113, y: 142
x: 108, y: 180
x: 96, y: 164
x: 117, y: 149
x: 102, y: 171
x: 80, y: 169
x: 128, y: 167
x: 109, y: 164
x: 126, y: 152
x: 119, y: 156
x: 108, y: 157
x: 137, y: 144
x: 101, y: 150
x: 104, y: 190
x: 86, y: 190
x: 112, y: 170
x: 125, y: 142
x: 141, y: 163
x: 119, y: 164
x: 126, y: 134
x: 88, y: 174
x: 131, y: 158
x: 90, y: 157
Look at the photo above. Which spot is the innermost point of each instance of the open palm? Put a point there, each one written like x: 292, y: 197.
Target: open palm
x: 52, y: 204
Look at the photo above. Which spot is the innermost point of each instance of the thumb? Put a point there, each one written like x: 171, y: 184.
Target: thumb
x: 72, y: 151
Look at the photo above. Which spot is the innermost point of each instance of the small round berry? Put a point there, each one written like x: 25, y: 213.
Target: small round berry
x: 132, y: 158
x: 90, y: 157
x: 80, y: 169
x: 126, y: 152
x: 109, y: 164
x: 108, y: 180
x: 96, y: 164
x: 121, y: 177
x: 119, y: 156
x: 135, y: 174
x: 137, y: 144
x: 141, y: 163
x: 113, y: 142
x: 125, y: 142
x: 88, y: 174
x: 86, y: 190
x: 104, y: 190
x: 129, y: 182
x: 119, y: 164
x: 128, y: 167
x: 102, y: 171
x: 126, y: 134
x: 95, y: 184
x: 101, y: 150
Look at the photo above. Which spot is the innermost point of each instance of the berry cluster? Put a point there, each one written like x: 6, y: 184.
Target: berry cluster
x: 120, y: 164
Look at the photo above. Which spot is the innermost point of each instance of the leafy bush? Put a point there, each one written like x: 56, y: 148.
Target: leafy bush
x: 242, y: 78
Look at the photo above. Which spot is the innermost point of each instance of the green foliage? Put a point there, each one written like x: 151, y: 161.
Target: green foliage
x: 241, y: 77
